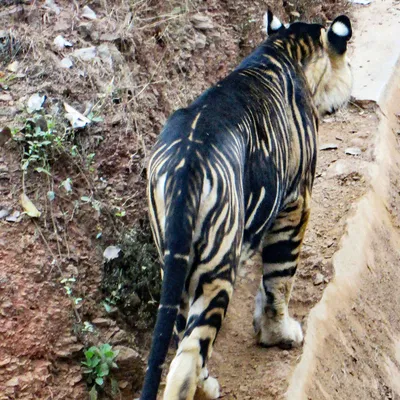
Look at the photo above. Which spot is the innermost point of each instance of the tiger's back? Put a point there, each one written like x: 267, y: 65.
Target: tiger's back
x: 231, y: 175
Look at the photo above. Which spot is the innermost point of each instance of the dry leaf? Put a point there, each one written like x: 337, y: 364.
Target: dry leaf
x: 76, y: 119
x: 29, y: 207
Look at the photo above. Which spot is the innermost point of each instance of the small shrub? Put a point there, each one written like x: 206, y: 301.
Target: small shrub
x: 132, y: 281
x: 97, y: 365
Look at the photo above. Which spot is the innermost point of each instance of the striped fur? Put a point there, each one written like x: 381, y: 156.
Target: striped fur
x: 232, y: 175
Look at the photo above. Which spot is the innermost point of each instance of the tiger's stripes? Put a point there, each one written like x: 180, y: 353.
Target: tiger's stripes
x: 231, y: 175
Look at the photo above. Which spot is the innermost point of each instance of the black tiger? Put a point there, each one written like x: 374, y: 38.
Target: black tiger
x: 231, y: 175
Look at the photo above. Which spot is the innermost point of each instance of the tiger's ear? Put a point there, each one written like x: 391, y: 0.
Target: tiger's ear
x: 272, y: 24
x: 339, y: 34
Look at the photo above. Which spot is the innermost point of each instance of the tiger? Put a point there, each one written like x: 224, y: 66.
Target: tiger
x: 231, y: 176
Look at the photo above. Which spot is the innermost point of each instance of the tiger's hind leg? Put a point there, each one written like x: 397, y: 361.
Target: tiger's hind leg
x: 188, y: 369
x: 280, y: 254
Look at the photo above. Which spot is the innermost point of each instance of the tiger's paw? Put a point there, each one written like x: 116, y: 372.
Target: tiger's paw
x: 285, y: 334
x: 209, y: 386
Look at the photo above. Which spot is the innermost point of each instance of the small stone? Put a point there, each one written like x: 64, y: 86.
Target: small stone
x: 318, y: 279
x: 72, y: 270
x: 66, y: 63
x: 126, y: 355
x: 102, y: 322
x: 5, y: 362
x: 61, y: 26
x: 200, y: 41
x: 13, y: 67
x: 123, y: 384
x: 353, y: 151
x: 13, y: 382
x: 328, y: 146
x: 13, y: 217
x: 5, y: 97
x: 60, y: 42
x: 69, y: 351
x: 119, y: 337
x: 285, y: 353
x: 85, y: 54
x: 5, y: 212
x: 201, y: 22
x: 110, y: 37
x: 88, y: 13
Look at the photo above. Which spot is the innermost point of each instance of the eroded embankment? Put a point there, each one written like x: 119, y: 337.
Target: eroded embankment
x: 352, y: 346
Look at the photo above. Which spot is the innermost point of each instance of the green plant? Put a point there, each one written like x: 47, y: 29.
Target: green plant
x: 38, y: 137
x: 97, y: 365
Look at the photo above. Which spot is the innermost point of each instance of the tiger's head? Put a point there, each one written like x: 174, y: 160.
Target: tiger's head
x: 322, y: 55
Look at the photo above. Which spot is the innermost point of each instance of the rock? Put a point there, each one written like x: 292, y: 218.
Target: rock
x: 123, y: 384
x: 201, y: 22
x: 5, y: 362
x: 328, y: 146
x: 120, y: 337
x: 110, y: 37
x: 318, y: 279
x: 200, y: 41
x: 85, y: 54
x: 61, y: 26
x: 5, y: 97
x: 66, y: 63
x: 35, y: 103
x: 88, y: 13
x: 131, y: 367
x: 72, y: 270
x: 353, y: 151
x: 68, y: 352
x: 102, y: 322
x: 13, y: 382
x: 111, y: 252
x: 14, y: 217
x: 5, y: 212
x: 60, y: 42
x: 8, y: 111
x: 50, y: 5
x: 13, y: 67
x: 127, y: 357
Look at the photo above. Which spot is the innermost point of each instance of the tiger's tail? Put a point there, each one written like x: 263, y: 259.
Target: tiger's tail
x: 181, y: 207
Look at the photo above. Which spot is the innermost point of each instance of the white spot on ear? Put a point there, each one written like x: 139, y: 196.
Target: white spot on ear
x: 340, y: 29
x: 275, y: 24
